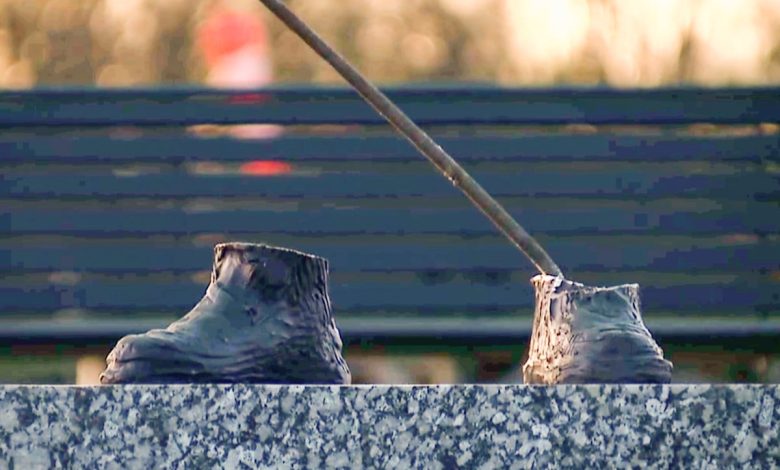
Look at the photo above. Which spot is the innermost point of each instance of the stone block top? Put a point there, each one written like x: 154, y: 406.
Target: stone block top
x: 467, y: 426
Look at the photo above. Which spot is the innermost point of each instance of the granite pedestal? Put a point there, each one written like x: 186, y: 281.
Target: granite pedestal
x: 496, y: 426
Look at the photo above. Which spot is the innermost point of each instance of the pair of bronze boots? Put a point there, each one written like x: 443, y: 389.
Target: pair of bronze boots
x: 266, y: 318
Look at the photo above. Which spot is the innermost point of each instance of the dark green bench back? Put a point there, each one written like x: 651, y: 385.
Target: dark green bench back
x: 110, y: 208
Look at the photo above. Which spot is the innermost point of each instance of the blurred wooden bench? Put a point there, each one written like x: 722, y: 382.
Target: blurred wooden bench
x: 110, y: 204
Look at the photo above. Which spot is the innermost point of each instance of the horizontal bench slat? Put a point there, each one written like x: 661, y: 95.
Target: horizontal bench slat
x: 761, y: 217
x: 155, y: 107
x: 432, y: 329
x: 557, y: 147
x: 386, y: 295
x: 647, y: 182
x: 361, y: 253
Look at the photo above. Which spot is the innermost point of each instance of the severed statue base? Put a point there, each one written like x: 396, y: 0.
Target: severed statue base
x: 585, y: 334
x: 265, y: 318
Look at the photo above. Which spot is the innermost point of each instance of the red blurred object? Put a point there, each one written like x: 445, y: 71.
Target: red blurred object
x: 235, y: 48
x: 226, y: 32
x: 266, y: 168
x: 249, y: 98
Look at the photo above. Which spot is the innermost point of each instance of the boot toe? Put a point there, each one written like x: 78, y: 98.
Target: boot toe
x: 126, y: 372
x: 147, y: 358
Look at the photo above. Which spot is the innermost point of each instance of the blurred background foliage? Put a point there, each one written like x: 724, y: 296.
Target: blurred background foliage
x: 512, y: 42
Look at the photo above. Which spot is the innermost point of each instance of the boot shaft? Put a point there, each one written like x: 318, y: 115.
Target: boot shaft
x: 271, y: 274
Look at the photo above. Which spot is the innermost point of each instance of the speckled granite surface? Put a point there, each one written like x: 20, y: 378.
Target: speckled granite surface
x: 515, y: 426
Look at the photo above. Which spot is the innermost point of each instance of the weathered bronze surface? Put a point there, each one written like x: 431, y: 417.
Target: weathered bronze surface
x: 265, y: 318
x: 585, y: 334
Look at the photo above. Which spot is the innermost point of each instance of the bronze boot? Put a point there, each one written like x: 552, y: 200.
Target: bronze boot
x: 585, y: 334
x: 265, y: 318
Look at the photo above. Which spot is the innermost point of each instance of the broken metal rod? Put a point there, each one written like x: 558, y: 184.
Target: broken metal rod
x: 420, y: 139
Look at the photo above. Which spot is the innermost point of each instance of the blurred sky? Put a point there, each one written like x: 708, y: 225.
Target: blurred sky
x: 620, y: 42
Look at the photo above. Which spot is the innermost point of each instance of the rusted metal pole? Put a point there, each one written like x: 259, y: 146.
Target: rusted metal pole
x: 420, y: 139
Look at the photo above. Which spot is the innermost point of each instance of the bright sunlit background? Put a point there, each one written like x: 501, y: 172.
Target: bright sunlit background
x: 540, y: 42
